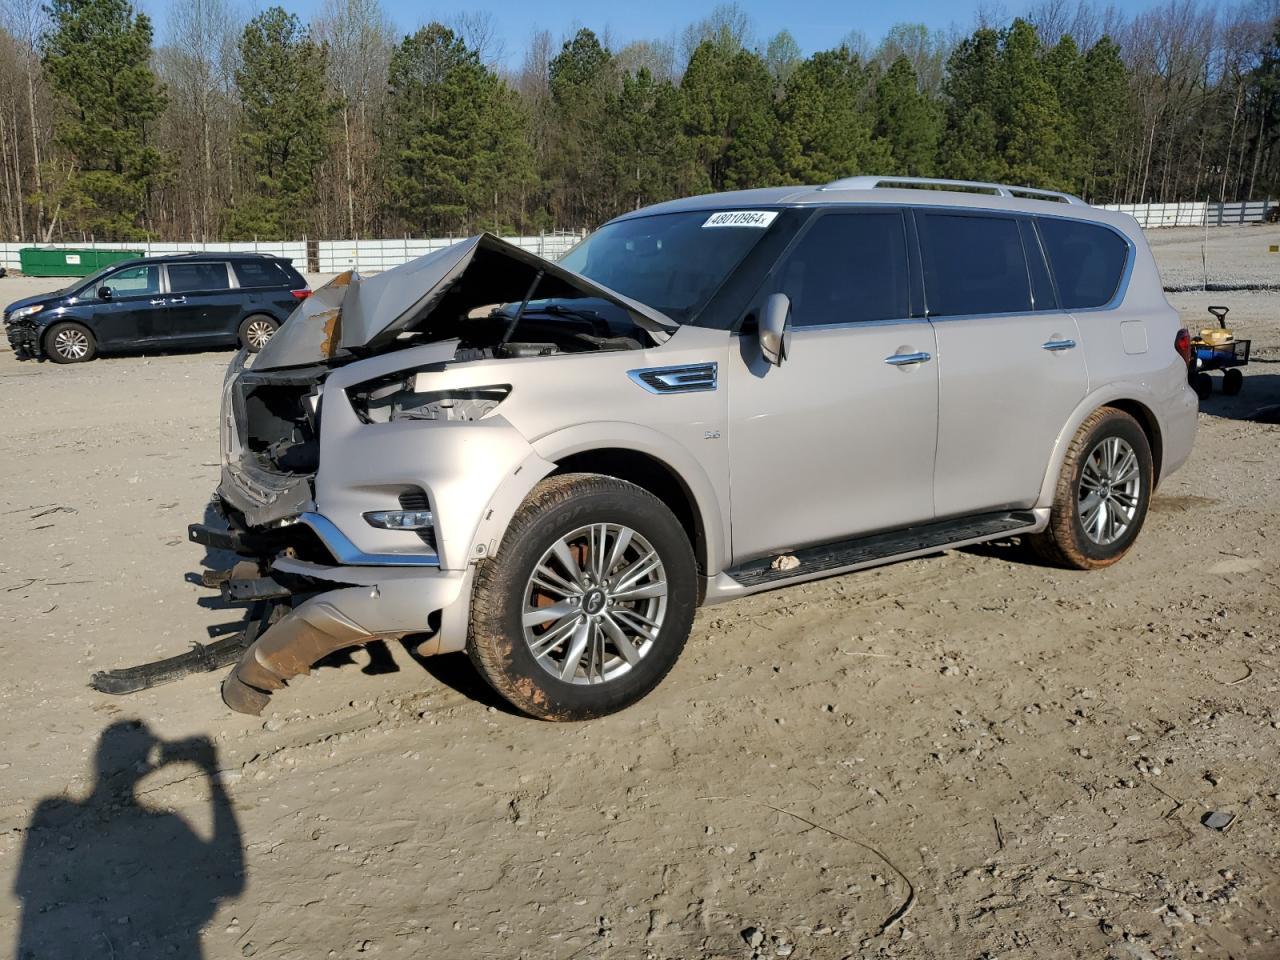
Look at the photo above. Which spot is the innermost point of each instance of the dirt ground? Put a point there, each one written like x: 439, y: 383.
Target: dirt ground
x: 1018, y: 756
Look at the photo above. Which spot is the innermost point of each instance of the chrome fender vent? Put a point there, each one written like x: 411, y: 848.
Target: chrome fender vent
x: 687, y: 378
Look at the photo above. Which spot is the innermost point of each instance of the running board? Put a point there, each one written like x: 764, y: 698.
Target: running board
x: 882, y: 547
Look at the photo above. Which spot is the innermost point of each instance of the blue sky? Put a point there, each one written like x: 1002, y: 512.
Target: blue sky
x: 816, y: 24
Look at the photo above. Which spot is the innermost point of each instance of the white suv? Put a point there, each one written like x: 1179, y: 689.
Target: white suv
x: 551, y: 466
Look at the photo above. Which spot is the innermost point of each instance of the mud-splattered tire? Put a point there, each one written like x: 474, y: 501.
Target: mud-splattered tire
x: 589, y: 601
x: 68, y: 342
x: 1102, y: 495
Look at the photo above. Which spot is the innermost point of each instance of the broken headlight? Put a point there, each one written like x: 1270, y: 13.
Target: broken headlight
x: 398, y: 398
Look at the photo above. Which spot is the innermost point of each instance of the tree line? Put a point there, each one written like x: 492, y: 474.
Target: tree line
x: 274, y: 128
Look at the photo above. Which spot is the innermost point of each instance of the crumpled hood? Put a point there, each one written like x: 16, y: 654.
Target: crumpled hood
x: 353, y: 313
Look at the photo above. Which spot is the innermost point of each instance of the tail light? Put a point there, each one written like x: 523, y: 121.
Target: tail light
x: 304, y: 293
x: 1182, y: 343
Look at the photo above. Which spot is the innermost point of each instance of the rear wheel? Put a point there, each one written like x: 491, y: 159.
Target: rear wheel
x: 69, y: 343
x: 1232, y: 381
x: 1102, y: 494
x: 256, y: 331
x: 588, y: 603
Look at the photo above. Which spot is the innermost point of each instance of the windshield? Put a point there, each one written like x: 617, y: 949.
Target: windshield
x: 673, y: 262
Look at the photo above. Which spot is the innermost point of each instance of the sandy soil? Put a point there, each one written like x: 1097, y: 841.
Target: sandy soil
x: 1022, y: 755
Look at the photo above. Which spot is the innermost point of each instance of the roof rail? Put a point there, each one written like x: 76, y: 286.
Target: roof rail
x: 970, y: 186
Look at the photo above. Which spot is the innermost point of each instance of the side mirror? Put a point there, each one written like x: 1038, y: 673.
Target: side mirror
x: 775, y: 328
x: 104, y: 293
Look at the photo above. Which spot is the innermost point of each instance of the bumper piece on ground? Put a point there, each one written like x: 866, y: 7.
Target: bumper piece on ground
x: 388, y: 603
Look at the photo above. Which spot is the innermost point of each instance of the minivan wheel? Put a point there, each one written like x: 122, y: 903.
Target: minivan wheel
x: 69, y: 343
x: 588, y: 603
x: 256, y: 331
x: 1102, y: 494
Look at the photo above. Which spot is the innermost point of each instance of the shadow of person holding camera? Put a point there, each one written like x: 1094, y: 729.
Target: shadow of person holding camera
x: 112, y: 877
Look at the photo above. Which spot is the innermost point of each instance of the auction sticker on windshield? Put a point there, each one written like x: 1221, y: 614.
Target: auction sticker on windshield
x: 741, y: 218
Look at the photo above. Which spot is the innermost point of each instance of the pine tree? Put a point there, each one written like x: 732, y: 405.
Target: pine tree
x: 582, y: 80
x: 285, y: 126
x: 826, y: 125
x: 1035, y: 130
x: 907, y: 121
x: 971, y: 146
x: 97, y: 59
x: 730, y: 117
x: 454, y: 147
x: 648, y: 155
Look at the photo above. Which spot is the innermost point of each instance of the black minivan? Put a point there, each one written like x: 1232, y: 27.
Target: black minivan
x: 186, y: 300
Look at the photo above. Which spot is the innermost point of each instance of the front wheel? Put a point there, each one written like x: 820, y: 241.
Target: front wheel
x: 68, y: 342
x: 1102, y: 495
x: 589, y: 601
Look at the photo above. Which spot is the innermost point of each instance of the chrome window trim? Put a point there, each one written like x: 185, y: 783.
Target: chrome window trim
x: 348, y: 554
x: 845, y: 324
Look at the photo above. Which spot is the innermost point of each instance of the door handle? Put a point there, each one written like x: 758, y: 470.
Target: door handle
x: 156, y: 303
x: 906, y: 359
x: 1059, y: 344
x: 177, y: 299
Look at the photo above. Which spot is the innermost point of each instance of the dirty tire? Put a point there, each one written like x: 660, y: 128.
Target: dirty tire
x: 556, y: 508
x: 256, y: 330
x: 1064, y: 542
x: 68, y: 342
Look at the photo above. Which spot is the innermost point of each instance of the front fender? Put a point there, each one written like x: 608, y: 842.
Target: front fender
x: 712, y: 511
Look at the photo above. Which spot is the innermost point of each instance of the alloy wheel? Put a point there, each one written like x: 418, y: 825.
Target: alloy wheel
x: 1110, y: 487
x: 594, y: 604
x: 258, y: 333
x: 71, y: 344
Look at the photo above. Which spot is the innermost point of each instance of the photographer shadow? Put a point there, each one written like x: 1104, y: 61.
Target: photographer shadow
x: 112, y: 877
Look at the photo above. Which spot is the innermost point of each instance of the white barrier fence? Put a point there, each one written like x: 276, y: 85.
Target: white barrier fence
x: 1191, y: 214
x: 320, y: 256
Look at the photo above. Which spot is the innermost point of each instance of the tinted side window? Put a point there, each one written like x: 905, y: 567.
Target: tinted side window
x: 1087, y: 260
x: 973, y: 264
x: 848, y: 267
x: 133, y: 282
x: 258, y: 273
x: 193, y: 277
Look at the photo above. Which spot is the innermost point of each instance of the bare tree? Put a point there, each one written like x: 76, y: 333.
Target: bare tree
x: 359, y: 35
x: 26, y: 21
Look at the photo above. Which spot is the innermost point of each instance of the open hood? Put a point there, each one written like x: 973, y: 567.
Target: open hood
x: 358, y: 315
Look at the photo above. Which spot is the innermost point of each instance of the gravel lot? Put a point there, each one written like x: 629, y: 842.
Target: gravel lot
x: 1020, y: 755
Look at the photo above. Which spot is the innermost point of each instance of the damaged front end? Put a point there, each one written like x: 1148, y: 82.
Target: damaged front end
x: 24, y: 339
x: 355, y: 525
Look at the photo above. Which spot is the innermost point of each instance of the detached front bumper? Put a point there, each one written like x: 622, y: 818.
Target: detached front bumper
x: 24, y: 339
x: 363, y: 604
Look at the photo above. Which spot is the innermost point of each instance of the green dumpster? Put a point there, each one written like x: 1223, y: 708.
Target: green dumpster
x: 59, y: 262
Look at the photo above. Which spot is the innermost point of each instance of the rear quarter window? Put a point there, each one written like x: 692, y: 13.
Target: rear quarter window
x: 974, y: 264
x: 1087, y: 260
x: 260, y: 273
